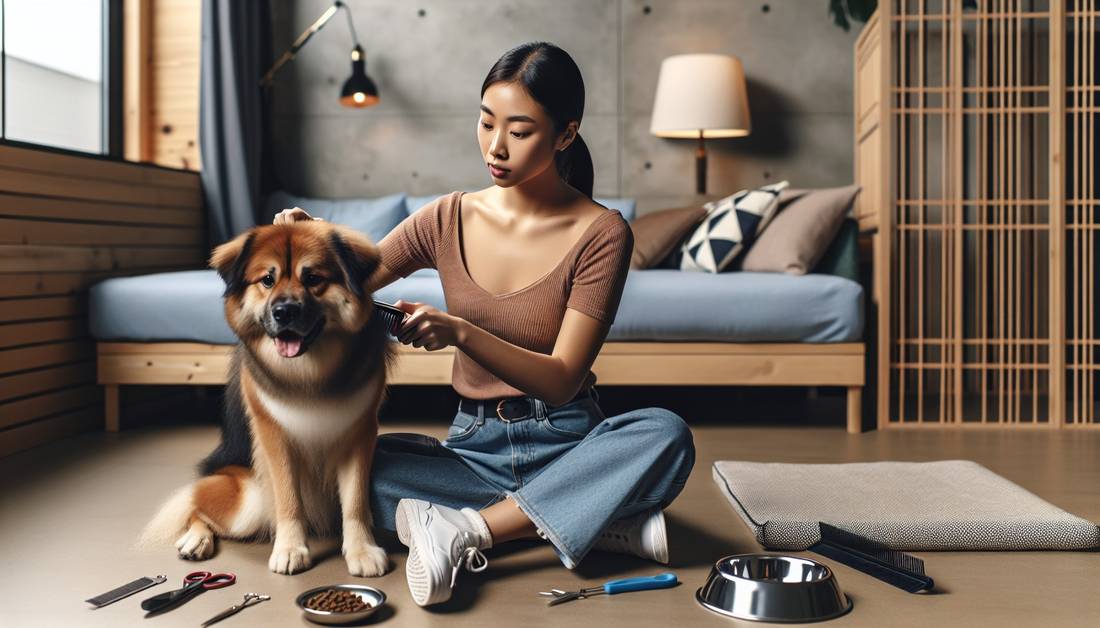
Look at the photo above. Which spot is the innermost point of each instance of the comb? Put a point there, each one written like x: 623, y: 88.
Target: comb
x: 891, y: 566
x: 391, y: 314
x: 129, y: 588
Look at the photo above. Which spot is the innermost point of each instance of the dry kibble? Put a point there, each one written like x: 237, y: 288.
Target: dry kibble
x: 337, y: 601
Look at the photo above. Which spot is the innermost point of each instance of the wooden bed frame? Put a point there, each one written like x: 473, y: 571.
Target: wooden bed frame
x: 618, y: 364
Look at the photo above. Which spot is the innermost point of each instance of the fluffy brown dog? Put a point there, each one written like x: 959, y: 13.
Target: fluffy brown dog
x: 301, y: 414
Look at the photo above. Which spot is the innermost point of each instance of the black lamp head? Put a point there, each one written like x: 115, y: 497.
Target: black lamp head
x: 358, y: 91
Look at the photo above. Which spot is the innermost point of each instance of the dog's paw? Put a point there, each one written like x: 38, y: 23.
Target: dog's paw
x: 366, y: 560
x: 196, y: 544
x: 289, y: 559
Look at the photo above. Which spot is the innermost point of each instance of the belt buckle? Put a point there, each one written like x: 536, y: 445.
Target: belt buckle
x: 500, y: 406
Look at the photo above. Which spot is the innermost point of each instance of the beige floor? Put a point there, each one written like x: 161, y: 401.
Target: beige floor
x: 70, y: 511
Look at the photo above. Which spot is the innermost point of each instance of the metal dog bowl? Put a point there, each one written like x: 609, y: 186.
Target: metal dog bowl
x: 374, y: 597
x: 773, y: 588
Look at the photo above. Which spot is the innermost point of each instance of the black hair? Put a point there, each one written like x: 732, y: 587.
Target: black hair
x: 554, y: 81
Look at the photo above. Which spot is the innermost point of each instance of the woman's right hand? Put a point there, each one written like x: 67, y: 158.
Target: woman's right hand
x: 293, y: 214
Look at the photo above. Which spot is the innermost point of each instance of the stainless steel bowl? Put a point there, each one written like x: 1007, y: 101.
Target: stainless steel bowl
x: 373, y: 597
x: 773, y: 588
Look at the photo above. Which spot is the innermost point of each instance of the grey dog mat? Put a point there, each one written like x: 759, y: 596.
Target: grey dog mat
x: 942, y: 505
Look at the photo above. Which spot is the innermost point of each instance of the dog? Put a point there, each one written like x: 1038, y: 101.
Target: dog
x: 300, y: 423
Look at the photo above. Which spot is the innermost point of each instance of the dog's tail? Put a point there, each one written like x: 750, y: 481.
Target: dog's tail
x: 170, y: 521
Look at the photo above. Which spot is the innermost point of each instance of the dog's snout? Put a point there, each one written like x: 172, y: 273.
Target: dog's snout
x: 286, y: 312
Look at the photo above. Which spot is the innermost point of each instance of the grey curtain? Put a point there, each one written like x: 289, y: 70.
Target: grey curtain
x: 234, y: 115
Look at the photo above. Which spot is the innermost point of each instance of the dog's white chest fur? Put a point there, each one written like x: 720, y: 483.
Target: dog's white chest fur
x: 317, y: 420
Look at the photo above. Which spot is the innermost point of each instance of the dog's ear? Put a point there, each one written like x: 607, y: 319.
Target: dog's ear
x: 231, y: 259
x: 357, y: 257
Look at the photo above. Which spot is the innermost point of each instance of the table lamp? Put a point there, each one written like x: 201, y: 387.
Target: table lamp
x: 701, y: 96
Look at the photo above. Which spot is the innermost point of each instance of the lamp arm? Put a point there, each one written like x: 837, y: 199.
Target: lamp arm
x: 305, y: 36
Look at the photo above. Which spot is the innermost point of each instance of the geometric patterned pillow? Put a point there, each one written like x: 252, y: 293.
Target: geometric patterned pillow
x: 730, y: 227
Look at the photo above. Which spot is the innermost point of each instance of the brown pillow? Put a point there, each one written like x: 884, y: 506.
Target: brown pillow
x: 801, y: 232
x: 657, y: 233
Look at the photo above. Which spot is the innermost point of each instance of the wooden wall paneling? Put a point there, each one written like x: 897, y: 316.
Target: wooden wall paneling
x: 67, y: 222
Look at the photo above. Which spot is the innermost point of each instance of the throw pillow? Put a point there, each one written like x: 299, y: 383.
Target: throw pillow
x: 657, y: 233
x: 373, y: 216
x: 730, y: 226
x: 801, y: 232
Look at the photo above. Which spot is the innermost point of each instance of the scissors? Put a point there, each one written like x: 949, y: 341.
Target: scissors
x: 193, y: 583
x: 660, y: 581
x: 250, y: 599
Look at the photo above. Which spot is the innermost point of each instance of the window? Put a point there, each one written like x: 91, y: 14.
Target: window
x: 57, y: 62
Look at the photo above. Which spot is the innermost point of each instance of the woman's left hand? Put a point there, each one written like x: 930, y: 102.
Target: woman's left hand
x: 427, y: 326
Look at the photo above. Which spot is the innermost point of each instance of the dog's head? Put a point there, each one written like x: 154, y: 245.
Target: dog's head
x: 289, y: 286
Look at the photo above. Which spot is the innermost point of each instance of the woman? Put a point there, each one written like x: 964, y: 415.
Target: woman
x: 533, y: 270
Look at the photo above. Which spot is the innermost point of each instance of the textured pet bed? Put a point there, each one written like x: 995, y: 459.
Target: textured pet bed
x: 943, y: 505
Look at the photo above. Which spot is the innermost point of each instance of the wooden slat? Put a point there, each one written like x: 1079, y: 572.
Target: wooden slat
x: 48, y: 232
x: 37, y: 406
x: 64, y: 283
x: 49, y: 429
x: 64, y: 185
x: 171, y: 368
x: 20, y: 258
x: 27, y: 358
x: 33, y: 382
x: 44, y: 331
x: 137, y: 86
x: 16, y: 206
x: 138, y: 175
x: 33, y: 309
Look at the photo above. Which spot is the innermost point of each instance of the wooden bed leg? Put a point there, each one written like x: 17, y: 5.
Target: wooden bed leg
x: 855, y: 409
x: 110, y: 410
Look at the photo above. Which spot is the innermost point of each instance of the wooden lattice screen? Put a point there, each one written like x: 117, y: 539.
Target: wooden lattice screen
x: 979, y: 175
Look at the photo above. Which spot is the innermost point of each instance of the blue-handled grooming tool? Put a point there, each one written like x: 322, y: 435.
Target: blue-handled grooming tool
x: 645, y: 583
x: 392, y: 314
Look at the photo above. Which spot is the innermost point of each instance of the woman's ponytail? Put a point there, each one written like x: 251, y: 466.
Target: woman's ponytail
x: 575, y: 166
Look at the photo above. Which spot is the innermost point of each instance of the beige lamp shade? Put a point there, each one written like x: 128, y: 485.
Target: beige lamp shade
x: 701, y: 92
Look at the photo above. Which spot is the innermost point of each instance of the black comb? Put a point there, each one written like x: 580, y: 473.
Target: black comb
x: 392, y: 314
x: 891, y: 566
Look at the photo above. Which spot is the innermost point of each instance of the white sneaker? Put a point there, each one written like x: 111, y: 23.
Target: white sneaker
x: 441, y: 540
x: 642, y: 535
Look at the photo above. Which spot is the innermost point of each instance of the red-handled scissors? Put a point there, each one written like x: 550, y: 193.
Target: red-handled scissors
x: 193, y: 583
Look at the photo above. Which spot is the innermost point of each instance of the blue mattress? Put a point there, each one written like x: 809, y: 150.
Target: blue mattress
x: 657, y: 304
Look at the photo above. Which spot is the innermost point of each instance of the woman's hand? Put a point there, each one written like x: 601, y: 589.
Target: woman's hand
x: 293, y: 214
x: 428, y: 327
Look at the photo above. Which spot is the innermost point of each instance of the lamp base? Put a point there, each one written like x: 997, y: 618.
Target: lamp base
x: 701, y: 167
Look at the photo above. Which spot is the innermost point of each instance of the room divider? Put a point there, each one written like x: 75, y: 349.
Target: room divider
x: 975, y: 141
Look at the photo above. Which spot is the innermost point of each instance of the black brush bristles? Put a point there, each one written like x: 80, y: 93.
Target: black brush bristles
x: 392, y: 314
x: 891, y: 566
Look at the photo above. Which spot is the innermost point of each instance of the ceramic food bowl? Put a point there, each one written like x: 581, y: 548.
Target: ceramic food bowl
x: 773, y: 588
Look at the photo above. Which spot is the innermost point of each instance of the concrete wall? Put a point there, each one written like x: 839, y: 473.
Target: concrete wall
x: 429, y: 58
x: 53, y: 108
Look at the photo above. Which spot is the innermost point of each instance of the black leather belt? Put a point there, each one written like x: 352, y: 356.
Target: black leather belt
x: 508, y: 409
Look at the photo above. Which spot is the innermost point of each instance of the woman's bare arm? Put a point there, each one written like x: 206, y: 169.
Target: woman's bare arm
x: 554, y: 378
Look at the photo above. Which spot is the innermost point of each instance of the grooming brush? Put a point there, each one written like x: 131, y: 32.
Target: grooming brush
x: 129, y: 588
x: 392, y: 314
x: 891, y: 566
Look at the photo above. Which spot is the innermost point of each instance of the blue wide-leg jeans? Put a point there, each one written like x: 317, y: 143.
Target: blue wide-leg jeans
x: 571, y: 469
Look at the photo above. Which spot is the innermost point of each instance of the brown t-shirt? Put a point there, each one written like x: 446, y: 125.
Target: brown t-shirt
x: 589, y: 279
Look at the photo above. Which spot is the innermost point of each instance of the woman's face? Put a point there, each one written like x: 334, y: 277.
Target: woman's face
x: 516, y: 134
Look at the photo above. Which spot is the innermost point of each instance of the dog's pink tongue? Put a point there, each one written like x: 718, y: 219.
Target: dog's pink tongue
x: 288, y: 348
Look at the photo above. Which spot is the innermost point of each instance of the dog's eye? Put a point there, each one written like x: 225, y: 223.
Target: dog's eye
x: 311, y: 280
x: 268, y: 280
